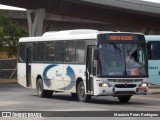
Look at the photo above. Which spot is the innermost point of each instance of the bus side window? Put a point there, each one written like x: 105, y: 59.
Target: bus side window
x: 149, y: 53
x: 22, y: 52
x: 157, y: 50
x: 59, y: 51
x: 153, y: 49
x: 70, y: 51
x: 41, y: 51
x: 80, y: 51
x: 50, y: 51
x: 34, y: 52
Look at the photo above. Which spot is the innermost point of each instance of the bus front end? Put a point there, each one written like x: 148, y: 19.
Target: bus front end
x: 121, y: 66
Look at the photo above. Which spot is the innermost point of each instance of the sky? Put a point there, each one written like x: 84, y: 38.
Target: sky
x: 156, y: 1
x: 22, y: 9
x: 11, y: 8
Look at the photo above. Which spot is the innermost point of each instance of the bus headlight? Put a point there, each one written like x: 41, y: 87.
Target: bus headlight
x: 144, y: 85
x: 104, y: 85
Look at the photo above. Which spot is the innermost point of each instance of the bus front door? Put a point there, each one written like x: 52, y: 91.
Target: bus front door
x: 28, y: 67
x: 90, y: 69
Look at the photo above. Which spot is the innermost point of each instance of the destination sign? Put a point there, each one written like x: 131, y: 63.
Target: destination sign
x: 120, y: 37
x: 103, y: 38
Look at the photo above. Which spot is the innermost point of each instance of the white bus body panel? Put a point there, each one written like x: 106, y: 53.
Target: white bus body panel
x: 21, y: 74
x: 153, y: 65
x: 57, y: 77
x: 108, y: 90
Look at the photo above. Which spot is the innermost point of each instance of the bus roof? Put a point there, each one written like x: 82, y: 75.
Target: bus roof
x: 76, y: 34
x: 152, y: 37
x: 63, y: 35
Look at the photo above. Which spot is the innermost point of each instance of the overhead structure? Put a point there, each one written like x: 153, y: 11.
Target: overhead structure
x: 135, y: 13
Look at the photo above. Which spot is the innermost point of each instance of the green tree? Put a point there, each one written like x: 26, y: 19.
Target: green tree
x: 10, y: 33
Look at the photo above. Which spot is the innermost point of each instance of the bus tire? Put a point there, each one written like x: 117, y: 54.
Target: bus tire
x: 41, y: 92
x: 124, y: 99
x: 82, y: 97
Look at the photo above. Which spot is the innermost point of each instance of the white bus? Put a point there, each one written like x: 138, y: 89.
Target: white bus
x: 153, y: 50
x: 84, y: 63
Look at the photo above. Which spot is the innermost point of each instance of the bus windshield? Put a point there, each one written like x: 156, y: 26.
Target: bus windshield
x: 121, y: 60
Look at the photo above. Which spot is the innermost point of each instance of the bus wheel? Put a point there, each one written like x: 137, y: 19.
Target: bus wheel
x: 41, y: 92
x: 124, y: 99
x: 81, y: 93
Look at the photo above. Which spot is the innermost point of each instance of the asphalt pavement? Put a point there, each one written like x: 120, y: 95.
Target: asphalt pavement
x: 14, y: 97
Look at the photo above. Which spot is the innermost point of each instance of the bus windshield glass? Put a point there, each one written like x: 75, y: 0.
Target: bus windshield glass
x: 121, y: 60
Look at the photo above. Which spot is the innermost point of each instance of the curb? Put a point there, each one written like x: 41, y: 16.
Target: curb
x: 154, y: 91
x: 8, y: 81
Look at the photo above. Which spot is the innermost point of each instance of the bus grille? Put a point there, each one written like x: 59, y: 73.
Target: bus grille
x: 125, y: 92
x: 125, y: 80
x: 125, y: 85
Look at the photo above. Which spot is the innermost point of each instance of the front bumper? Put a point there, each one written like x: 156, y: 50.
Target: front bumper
x: 120, y: 89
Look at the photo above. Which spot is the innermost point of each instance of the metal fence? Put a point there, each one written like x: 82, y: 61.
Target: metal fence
x: 8, y: 68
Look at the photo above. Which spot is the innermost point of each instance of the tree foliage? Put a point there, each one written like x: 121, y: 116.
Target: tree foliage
x: 10, y: 33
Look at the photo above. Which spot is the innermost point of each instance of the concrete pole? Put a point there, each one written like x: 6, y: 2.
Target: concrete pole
x: 35, y: 21
x: 145, y: 31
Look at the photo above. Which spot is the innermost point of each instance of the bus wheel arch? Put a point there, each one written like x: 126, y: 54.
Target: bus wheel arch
x: 77, y: 82
x: 38, y: 77
x: 40, y: 89
x: 74, y: 95
x: 80, y: 90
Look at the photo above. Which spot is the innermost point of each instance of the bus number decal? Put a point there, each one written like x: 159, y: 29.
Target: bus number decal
x: 153, y: 67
